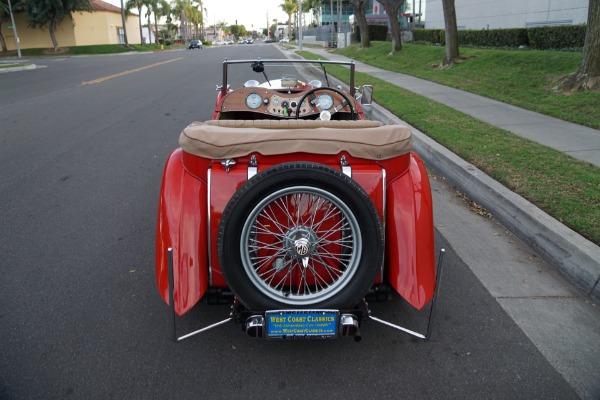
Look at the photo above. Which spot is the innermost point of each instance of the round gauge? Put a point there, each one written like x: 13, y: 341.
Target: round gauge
x: 253, y: 100
x: 325, y: 102
x: 276, y: 102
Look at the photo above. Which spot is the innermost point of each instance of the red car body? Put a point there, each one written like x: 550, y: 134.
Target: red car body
x: 196, y: 190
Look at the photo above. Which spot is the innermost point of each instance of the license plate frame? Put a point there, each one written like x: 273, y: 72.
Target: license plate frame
x: 298, y: 324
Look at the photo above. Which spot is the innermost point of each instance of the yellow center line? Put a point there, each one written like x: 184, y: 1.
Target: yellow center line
x: 131, y: 71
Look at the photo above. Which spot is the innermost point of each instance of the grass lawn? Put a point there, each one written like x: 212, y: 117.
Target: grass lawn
x: 94, y: 49
x: 524, y: 78
x: 11, y: 65
x: 565, y: 188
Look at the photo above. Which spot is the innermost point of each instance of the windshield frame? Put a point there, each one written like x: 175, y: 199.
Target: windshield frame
x: 321, y: 63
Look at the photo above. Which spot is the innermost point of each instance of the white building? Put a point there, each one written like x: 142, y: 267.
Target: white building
x: 499, y: 14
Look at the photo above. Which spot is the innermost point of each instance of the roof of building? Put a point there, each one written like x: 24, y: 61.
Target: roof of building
x: 99, y: 5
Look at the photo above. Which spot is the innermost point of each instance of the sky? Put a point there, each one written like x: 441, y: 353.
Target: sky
x: 250, y: 13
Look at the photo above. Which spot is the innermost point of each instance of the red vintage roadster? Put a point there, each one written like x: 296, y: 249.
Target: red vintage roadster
x: 293, y: 207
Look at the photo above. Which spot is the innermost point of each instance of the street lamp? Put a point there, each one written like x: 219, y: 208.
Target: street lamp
x: 14, y: 26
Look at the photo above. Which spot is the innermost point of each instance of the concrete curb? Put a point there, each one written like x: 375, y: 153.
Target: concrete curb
x: 572, y: 255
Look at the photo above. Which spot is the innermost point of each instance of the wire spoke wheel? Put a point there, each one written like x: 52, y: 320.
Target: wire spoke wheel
x: 300, y: 235
x: 300, y: 245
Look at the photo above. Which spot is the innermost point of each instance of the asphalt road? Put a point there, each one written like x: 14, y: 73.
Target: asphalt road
x: 81, y: 159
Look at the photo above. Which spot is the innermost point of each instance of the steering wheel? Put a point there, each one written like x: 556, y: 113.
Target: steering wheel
x: 312, y: 91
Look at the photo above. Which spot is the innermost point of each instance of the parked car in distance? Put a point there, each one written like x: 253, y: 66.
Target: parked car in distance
x: 195, y: 44
x: 229, y: 42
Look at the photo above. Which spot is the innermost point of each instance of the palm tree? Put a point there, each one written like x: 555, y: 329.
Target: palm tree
x: 131, y: 4
x: 289, y: 7
x: 123, y: 12
x: 184, y: 12
x: 152, y: 9
x: 313, y: 6
x: 163, y: 10
x: 195, y: 16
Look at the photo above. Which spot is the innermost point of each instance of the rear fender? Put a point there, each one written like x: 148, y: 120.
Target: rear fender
x: 409, y: 235
x: 182, y: 225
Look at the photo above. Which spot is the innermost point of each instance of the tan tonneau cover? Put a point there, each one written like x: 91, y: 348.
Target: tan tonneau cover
x: 236, y: 138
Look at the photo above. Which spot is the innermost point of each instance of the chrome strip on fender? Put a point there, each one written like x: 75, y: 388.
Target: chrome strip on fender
x: 384, y: 215
x: 210, y: 281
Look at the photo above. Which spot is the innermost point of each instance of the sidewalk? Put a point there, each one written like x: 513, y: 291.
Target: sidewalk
x: 572, y: 255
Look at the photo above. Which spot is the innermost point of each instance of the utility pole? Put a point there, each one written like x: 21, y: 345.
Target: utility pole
x: 300, y: 25
x: 14, y: 26
x: 331, y: 23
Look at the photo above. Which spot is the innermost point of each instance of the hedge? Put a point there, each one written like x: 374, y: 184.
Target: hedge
x: 557, y: 37
x: 541, y: 38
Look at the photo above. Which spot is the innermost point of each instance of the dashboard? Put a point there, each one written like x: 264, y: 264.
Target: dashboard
x: 282, y: 103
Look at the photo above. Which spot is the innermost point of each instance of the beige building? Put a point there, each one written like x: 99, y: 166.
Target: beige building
x: 101, y: 26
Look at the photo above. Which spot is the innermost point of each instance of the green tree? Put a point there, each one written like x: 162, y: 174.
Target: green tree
x: 238, y: 30
x: 360, y: 12
x: 392, y: 7
x: 588, y: 75
x: 42, y: 14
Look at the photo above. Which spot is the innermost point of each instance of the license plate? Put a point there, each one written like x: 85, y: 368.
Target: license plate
x: 302, y: 323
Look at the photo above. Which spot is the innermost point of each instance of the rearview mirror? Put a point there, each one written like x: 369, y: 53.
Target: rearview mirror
x: 367, y: 95
x: 258, y: 66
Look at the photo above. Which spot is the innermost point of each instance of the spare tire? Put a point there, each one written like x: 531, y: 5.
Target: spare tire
x: 300, y: 235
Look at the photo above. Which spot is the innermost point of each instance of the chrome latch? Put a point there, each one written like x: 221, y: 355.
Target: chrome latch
x: 346, y: 168
x: 228, y: 163
x: 252, y: 167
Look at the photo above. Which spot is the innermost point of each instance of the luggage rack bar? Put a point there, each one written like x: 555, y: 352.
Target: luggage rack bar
x: 174, y: 336
x: 427, y: 334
